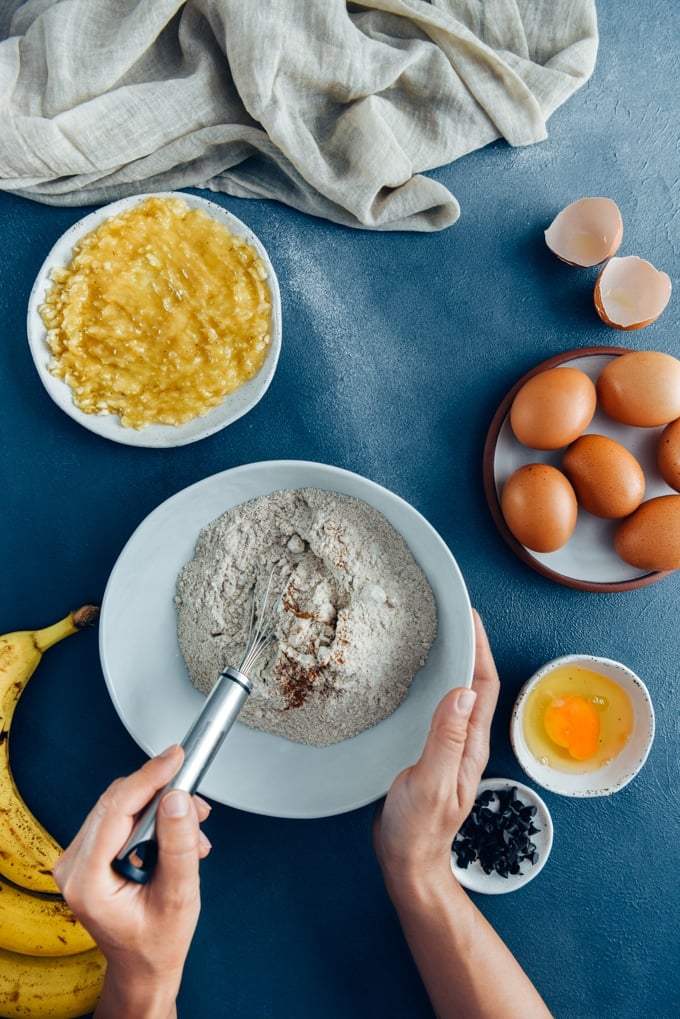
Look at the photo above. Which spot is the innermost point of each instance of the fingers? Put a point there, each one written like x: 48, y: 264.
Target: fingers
x: 376, y: 820
x: 440, y: 761
x: 486, y: 685
x: 133, y: 793
x: 127, y: 797
x: 485, y: 679
x: 427, y: 803
x: 84, y: 873
x: 201, y: 807
x: 179, y: 848
x: 109, y: 823
x: 457, y: 748
x: 202, y: 811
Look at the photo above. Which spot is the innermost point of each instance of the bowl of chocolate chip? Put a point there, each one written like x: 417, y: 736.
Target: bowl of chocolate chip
x: 506, y: 839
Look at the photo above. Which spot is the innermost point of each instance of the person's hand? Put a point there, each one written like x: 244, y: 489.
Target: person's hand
x: 452, y: 944
x: 427, y: 803
x: 143, y: 930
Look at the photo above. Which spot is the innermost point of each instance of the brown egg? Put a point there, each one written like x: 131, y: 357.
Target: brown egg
x: 586, y: 232
x: 650, y: 537
x: 553, y: 408
x: 607, y: 479
x: 668, y: 454
x: 641, y: 387
x: 539, y: 507
x: 630, y: 293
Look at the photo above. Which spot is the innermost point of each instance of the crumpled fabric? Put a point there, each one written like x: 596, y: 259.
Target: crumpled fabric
x: 336, y: 109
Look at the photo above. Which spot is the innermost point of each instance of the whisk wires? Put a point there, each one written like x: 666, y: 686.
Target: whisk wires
x: 261, y: 630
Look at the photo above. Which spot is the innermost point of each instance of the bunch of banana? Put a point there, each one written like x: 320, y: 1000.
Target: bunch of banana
x: 32, y: 987
x: 49, y: 964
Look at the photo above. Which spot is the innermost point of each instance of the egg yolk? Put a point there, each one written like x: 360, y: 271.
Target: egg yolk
x: 573, y: 722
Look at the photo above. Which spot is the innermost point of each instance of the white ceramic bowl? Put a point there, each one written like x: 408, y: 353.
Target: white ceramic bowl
x: 232, y: 407
x: 475, y: 879
x: 253, y: 770
x: 622, y: 768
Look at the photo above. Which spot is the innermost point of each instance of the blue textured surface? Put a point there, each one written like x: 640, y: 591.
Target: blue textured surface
x: 397, y: 350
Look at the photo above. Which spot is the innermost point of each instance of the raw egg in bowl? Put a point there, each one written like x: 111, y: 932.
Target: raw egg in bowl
x: 582, y: 726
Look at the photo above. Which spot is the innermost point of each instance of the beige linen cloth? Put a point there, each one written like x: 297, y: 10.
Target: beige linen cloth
x: 336, y: 109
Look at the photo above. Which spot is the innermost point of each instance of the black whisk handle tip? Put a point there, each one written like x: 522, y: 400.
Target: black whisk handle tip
x: 139, y: 863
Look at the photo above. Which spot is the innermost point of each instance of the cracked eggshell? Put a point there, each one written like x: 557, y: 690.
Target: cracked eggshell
x: 630, y: 293
x: 587, y: 232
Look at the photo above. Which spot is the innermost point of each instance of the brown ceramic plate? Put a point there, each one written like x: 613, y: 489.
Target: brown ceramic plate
x: 588, y: 561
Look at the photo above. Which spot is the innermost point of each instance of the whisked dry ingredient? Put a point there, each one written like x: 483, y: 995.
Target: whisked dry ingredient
x: 161, y: 313
x: 356, y: 618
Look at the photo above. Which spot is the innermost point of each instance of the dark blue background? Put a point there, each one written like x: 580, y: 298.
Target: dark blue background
x: 397, y: 350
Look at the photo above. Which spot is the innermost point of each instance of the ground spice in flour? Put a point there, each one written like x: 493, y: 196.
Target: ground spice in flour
x: 355, y: 620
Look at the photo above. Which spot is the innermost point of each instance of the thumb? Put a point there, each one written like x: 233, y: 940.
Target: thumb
x: 446, y: 741
x: 177, y: 833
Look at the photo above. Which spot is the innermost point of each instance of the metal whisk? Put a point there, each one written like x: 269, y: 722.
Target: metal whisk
x: 138, y: 856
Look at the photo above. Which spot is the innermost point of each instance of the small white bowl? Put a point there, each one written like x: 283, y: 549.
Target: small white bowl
x: 234, y: 406
x: 475, y: 879
x: 618, y: 772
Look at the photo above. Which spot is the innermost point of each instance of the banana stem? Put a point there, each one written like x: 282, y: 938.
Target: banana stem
x: 74, y: 621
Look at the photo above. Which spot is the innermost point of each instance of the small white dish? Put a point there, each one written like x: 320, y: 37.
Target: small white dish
x: 475, y: 879
x: 150, y: 688
x: 233, y: 406
x: 614, y: 775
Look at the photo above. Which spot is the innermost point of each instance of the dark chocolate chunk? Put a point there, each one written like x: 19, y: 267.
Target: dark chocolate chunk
x: 497, y: 833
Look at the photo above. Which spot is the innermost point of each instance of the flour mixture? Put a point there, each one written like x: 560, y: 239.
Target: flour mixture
x: 355, y: 622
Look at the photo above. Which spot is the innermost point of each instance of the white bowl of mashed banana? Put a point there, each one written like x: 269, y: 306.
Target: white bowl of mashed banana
x: 377, y: 627
x: 156, y: 321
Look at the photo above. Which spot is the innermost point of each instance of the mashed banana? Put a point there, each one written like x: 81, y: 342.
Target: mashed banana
x: 161, y: 313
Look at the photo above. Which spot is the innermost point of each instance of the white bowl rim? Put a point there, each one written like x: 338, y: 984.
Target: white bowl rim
x: 615, y: 775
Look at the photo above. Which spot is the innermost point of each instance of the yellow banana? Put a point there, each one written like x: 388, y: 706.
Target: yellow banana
x: 44, y: 988
x: 49, y: 967
x: 27, y: 851
x: 33, y: 925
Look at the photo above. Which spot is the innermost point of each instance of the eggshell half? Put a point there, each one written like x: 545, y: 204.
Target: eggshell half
x: 586, y: 232
x: 631, y: 293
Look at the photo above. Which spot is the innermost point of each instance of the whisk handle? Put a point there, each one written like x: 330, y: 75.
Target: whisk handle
x: 138, y: 856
